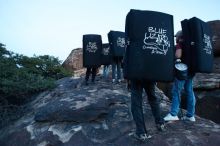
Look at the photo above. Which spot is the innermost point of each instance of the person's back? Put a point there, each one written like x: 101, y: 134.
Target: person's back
x: 148, y: 58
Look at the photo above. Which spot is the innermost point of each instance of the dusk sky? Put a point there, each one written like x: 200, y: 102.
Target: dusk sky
x: 55, y: 27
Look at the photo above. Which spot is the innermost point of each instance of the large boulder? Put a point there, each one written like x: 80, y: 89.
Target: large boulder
x: 98, y: 115
x: 207, y: 91
x: 208, y: 104
x: 74, y: 61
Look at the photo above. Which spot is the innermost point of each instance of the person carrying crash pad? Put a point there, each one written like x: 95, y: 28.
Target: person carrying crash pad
x: 179, y: 84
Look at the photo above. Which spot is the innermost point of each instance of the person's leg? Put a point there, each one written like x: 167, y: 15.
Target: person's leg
x: 88, y: 71
x: 104, y: 71
x: 107, y: 71
x: 128, y: 85
x: 136, y: 107
x: 119, y: 71
x: 94, y: 69
x: 154, y: 101
x: 191, y: 100
x: 113, y: 71
x: 176, y: 96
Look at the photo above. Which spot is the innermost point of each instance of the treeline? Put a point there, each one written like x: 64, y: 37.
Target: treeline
x: 22, y: 76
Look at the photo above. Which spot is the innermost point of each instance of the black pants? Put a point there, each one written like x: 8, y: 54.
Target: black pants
x: 89, y: 71
x: 137, y: 100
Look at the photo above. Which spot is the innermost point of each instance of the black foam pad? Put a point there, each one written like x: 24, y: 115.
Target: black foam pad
x: 106, y: 57
x: 150, y: 46
x: 197, y: 52
x: 92, y: 48
x: 117, y: 43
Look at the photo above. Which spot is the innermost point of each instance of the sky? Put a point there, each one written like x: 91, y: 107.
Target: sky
x: 56, y: 27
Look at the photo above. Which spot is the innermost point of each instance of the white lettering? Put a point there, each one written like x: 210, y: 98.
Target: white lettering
x: 156, y: 40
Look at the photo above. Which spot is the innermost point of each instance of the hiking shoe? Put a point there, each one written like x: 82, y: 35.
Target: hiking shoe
x: 160, y: 127
x: 93, y: 82
x: 191, y: 119
x: 143, y: 137
x: 170, y: 117
x: 86, y: 83
x: 113, y: 80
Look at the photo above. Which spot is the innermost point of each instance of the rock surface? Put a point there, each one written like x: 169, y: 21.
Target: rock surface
x: 98, y: 115
x: 207, y: 91
x: 74, y: 61
x: 203, y: 81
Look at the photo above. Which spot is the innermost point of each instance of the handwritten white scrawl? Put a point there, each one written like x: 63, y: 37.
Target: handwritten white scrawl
x: 156, y: 40
x: 121, y: 42
x: 207, y: 44
x: 91, y: 47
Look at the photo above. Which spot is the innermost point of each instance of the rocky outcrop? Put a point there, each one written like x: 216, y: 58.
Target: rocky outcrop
x: 74, y: 61
x: 207, y: 90
x: 203, y: 81
x: 98, y: 115
x: 215, y: 27
x: 208, y: 104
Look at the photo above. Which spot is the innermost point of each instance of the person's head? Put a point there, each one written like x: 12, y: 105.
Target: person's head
x: 179, y: 36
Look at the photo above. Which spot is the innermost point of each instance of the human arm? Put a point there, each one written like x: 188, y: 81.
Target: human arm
x: 178, y: 53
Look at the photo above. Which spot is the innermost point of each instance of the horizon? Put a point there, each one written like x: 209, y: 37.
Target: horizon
x: 56, y: 27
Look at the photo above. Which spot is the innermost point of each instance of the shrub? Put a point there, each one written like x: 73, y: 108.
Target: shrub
x: 22, y: 76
